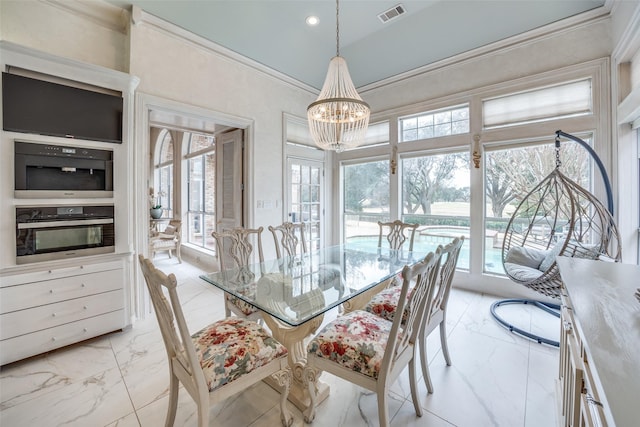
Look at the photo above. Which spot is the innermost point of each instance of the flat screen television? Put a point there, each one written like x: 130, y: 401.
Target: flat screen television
x: 36, y: 106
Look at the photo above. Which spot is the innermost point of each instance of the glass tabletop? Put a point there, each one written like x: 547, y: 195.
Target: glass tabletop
x: 297, y: 289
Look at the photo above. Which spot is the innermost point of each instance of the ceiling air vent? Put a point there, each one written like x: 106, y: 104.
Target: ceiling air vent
x: 392, y: 13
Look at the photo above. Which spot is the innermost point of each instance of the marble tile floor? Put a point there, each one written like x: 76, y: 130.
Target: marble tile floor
x: 121, y: 379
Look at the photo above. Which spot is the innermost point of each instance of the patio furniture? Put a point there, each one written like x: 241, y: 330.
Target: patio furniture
x: 170, y: 239
x: 557, y: 218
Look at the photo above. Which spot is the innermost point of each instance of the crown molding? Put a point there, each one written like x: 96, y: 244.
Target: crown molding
x: 101, y: 13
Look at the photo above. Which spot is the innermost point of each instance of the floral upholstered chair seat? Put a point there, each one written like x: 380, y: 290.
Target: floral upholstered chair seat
x: 384, y: 303
x: 233, y: 347
x: 356, y: 341
x: 246, y: 308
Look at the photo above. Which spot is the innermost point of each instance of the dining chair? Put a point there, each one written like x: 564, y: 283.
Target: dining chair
x: 219, y: 360
x: 394, y: 234
x: 286, y: 238
x: 170, y: 239
x: 370, y: 351
x: 235, y: 248
x: 385, y: 304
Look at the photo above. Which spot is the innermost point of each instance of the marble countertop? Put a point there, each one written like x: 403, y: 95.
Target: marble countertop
x: 608, y: 321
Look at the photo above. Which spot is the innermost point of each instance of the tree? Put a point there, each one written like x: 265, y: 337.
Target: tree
x: 425, y: 177
x: 366, y: 182
x: 513, y: 173
x: 499, y: 188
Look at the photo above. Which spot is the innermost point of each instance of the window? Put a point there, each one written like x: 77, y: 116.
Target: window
x: 512, y: 173
x: 365, y: 199
x: 434, y: 124
x: 377, y: 134
x: 435, y: 194
x: 554, y: 102
x: 201, y: 166
x: 437, y: 186
x: 164, y: 173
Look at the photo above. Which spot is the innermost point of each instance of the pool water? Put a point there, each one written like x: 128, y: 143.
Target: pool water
x: 428, y: 243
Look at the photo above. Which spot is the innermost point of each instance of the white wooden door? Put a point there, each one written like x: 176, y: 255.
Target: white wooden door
x: 229, y: 188
x: 305, y: 198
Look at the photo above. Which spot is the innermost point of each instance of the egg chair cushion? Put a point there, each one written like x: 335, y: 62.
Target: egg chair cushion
x: 527, y: 257
x: 550, y: 258
x: 522, y: 273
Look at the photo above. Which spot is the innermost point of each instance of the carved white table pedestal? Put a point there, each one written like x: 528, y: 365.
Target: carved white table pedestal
x: 294, y: 339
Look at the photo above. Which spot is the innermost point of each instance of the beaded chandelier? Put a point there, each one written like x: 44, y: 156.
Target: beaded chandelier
x: 338, y: 119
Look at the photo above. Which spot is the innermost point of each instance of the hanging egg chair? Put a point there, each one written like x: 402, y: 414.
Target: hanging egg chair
x: 557, y: 218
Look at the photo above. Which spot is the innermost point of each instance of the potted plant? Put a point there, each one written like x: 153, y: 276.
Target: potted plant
x: 156, y: 208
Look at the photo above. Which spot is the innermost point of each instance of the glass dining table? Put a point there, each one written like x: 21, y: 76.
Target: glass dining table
x: 295, y: 292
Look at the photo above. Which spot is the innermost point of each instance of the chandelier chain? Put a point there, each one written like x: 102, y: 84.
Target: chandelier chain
x: 337, y: 28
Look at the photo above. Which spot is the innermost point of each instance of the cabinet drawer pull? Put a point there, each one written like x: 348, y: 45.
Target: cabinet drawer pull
x: 70, y: 312
x: 61, y: 270
x: 84, y: 330
x: 62, y: 290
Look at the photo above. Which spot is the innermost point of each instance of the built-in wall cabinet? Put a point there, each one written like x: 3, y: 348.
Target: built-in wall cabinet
x: 49, y: 303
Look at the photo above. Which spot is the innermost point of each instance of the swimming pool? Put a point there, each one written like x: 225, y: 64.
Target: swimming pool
x: 428, y: 239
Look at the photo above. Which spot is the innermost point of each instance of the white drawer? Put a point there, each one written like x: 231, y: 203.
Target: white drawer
x: 29, y: 275
x: 29, y: 295
x: 47, y: 316
x: 49, y: 339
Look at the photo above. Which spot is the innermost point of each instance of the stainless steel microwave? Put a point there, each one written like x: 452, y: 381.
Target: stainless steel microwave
x: 56, y: 171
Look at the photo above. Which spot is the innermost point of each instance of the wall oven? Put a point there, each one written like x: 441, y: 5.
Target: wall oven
x: 55, y: 171
x: 60, y: 232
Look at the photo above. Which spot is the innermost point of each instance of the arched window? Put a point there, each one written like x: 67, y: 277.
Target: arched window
x: 201, y: 166
x: 163, y: 175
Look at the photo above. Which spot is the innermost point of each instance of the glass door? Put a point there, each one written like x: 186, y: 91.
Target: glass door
x: 305, y: 202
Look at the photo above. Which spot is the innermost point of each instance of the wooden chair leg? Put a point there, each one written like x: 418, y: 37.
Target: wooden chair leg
x: 203, y: 414
x: 174, y: 385
x: 424, y: 362
x: 414, y: 387
x: 443, y: 341
x: 383, y: 413
x: 227, y: 310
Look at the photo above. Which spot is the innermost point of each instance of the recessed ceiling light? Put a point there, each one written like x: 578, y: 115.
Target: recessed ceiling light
x: 312, y: 20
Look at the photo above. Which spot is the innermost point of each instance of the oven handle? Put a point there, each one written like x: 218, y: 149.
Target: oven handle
x: 50, y: 224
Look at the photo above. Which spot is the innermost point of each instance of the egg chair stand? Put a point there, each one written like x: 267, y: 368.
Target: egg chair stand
x: 557, y: 218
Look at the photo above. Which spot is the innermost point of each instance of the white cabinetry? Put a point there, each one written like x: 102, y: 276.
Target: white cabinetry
x: 46, y: 305
x: 44, y: 310
x: 599, y: 377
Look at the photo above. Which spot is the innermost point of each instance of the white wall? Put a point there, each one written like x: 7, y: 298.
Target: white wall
x: 193, y: 73
x: 625, y: 80
x: 95, y: 33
